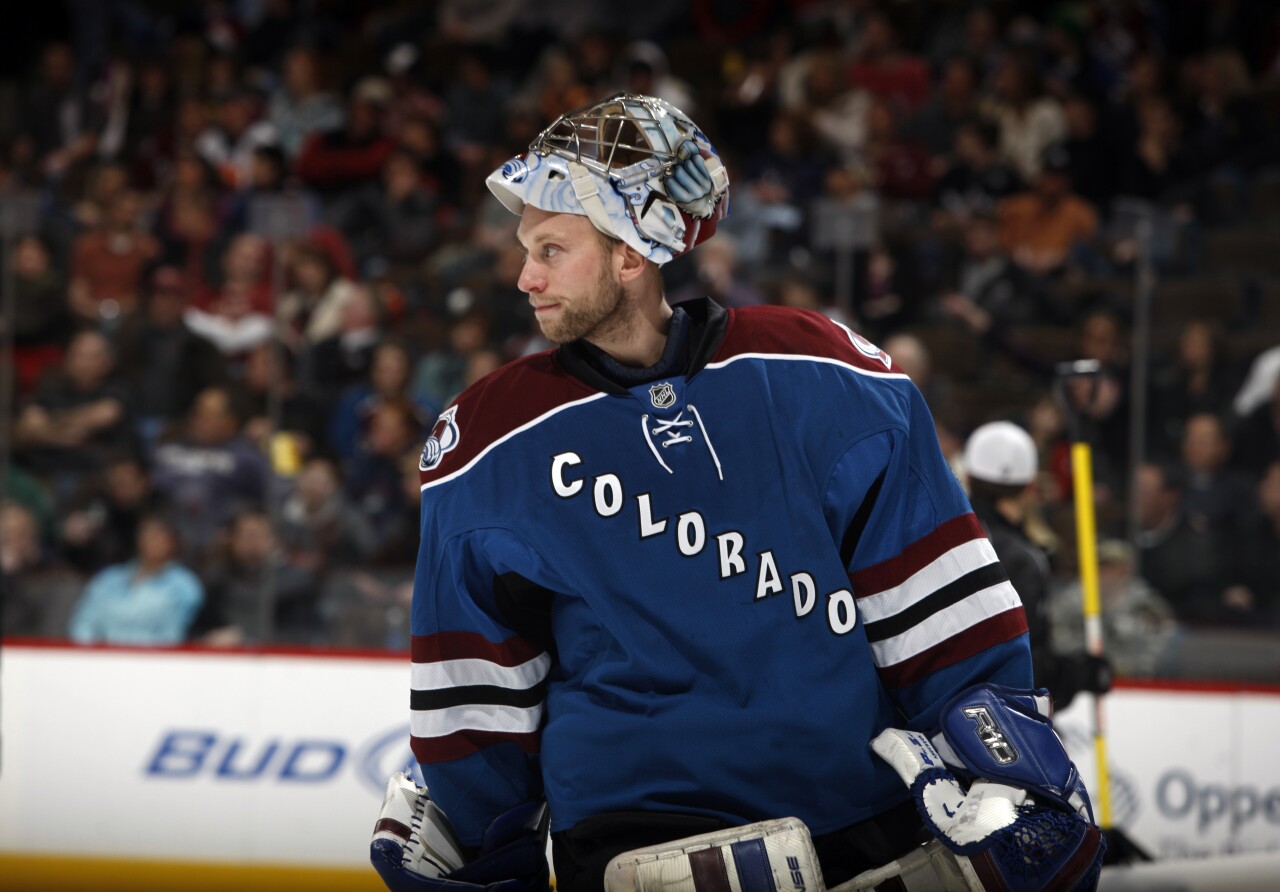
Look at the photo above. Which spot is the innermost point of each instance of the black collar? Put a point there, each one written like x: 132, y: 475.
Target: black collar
x: 697, y: 328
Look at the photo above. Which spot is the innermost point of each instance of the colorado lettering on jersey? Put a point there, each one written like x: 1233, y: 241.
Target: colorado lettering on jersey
x: 691, y: 535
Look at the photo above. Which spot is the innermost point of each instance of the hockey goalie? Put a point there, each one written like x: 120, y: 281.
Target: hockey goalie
x: 698, y: 597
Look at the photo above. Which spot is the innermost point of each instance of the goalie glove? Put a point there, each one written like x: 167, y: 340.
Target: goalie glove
x: 414, y: 849
x: 1025, y: 822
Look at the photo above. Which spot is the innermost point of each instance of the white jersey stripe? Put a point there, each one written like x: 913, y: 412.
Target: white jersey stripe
x: 458, y: 673
x: 474, y: 717
x: 947, y: 567
x: 944, y: 624
x: 801, y: 357
x: 507, y: 436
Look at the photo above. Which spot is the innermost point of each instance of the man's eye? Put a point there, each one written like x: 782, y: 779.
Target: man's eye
x: 550, y: 251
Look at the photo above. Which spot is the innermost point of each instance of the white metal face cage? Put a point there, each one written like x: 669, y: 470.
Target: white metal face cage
x: 627, y: 138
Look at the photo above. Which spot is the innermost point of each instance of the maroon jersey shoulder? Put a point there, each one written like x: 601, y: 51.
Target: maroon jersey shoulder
x: 793, y: 332
x: 498, y: 404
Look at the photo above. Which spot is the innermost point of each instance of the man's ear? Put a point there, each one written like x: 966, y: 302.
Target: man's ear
x: 629, y: 262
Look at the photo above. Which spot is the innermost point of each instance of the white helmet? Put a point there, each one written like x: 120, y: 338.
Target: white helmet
x: 610, y: 162
x: 1001, y: 452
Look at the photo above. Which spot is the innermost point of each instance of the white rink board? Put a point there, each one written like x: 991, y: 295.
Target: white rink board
x: 196, y: 756
x: 279, y: 759
x: 1193, y: 772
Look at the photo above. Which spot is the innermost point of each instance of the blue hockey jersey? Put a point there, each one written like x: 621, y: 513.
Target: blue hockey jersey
x: 702, y: 595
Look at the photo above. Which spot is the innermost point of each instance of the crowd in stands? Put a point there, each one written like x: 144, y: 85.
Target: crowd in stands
x: 214, y: 427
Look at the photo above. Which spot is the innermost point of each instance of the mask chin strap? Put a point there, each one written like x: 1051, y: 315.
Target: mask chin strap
x: 586, y: 188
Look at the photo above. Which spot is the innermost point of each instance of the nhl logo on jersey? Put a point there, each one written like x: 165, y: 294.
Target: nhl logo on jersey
x: 444, y: 437
x: 663, y: 396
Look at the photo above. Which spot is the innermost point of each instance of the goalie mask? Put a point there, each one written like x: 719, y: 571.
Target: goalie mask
x: 612, y: 162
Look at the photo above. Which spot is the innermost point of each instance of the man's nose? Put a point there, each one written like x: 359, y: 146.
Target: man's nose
x: 531, y: 278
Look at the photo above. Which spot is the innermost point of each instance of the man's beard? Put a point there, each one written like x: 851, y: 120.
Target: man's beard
x: 601, y: 317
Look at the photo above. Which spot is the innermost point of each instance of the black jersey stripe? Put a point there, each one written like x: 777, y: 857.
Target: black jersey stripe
x: 477, y: 695
x: 853, y: 533
x: 951, y: 593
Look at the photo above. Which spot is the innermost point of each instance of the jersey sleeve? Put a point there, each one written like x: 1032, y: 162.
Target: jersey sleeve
x: 479, y: 674
x: 938, y: 610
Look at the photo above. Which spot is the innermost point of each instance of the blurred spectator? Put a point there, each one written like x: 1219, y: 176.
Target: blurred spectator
x: 884, y: 70
x: 911, y: 355
x: 1041, y: 228
x: 210, y: 471
x: 312, y: 310
x: 718, y: 276
x: 189, y: 229
x: 76, y: 418
x: 374, y: 480
x: 389, y: 382
x: 1218, y: 497
x: 269, y: 385
x: 236, y: 316
x: 439, y: 374
x: 163, y: 363
x: 26, y: 490
x: 343, y: 359
x: 1177, y: 554
x: 108, y: 263
x: 440, y: 172
x: 1001, y: 466
x: 837, y: 111
x: 1259, y: 383
x: 1030, y: 121
x: 1256, y: 436
x: 1200, y: 377
x: 554, y: 87
x: 37, y: 594
x: 393, y: 221
x: 241, y: 130
x: 41, y: 314
x: 88, y: 202
x: 474, y: 103
x: 1257, y: 553
x: 1223, y: 121
x: 57, y: 115
x: 900, y: 168
x: 789, y: 168
x: 936, y: 123
x: 977, y: 178
x: 266, y: 178
x: 149, y: 132
x: 100, y: 526
x: 1154, y: 163
x: 889, y: 296
x: 300, y: 107
x: 254, y: 580
x: 318, y: 525
x: 352, y: 154
x: 648, y: 72
x: 992, y: 289
x: 149, y: 600
x: 1091, y: 154
x: 1138, y: 625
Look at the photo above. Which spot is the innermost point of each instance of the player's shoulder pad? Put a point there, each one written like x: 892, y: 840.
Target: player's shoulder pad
x: 788, y: 331
x: 498, y: 405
